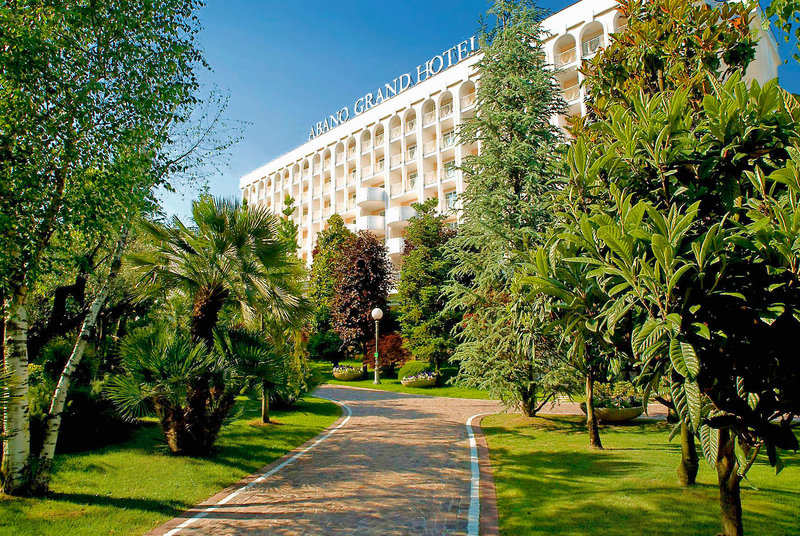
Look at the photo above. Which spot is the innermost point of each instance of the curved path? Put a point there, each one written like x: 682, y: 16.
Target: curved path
x: 400, y: 464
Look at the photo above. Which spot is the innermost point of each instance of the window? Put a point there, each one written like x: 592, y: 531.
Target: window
x: 412, y: 180
x: 450, y: 199
x: 448, y: 138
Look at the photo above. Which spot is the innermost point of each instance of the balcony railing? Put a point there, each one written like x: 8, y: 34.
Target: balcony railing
x: 446, y: 110
x: 467, y: 101
x: 589, y: 48
x: 572, y: 93
x: 394, y: 133
x: 411, y: 153
x: 397, y: 160
x: 429, y: 117
x: 380, y: 166
x: 410, y: 126
x: 351, y: 152
x: 339, y: 183
x: 450, y: 172
x: 412, y: 182
x: 365, y: 146
x: 351, y: 203
x: 317, y: 215
x: 327, y: 212
x: 340, y: 157
x: 429, y: 147
x: 396, y: 189
x: 366, y: 171
x: 317, y: 169
x: 378, y: 140
x: 327, y: 188
x: 448, y: 140
x: 353, y: 175
x: 565, y: 58
x: 430, y: 178
x: 326, y: 164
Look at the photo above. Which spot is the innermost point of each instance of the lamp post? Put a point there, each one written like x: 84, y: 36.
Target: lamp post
x: 377, y: 314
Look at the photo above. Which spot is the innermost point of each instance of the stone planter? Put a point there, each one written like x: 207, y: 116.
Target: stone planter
x: 421, y: 382
x: 348, y: 376
x: 612, y: 415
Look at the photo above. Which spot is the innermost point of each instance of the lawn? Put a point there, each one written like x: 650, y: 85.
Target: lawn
x: 132, y: 487
x: 323, y: 373
x: 548, y: 482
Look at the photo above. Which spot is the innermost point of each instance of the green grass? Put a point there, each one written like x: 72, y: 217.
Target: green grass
x: 549, y: 482
x: 132, y: 487
x: 323, y: 373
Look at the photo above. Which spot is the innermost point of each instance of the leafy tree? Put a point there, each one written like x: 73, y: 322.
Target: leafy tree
x: 323, y: 275
x: 325, y: 346
x: 424, y: 321
x: 288, y: 228
x: 88, y: 97
x: 392, y: 352
x: 362, y: 282
x: 681, y: 208
x: 503, y: 212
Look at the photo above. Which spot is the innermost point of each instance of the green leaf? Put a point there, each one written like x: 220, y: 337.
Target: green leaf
x: 684, y: 359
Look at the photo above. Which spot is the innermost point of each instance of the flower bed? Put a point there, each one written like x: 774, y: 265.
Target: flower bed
x: 423, y: 379
x: 616, y: 402
x: 347, y: 374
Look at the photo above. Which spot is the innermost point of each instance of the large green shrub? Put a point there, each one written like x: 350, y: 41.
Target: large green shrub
x: 325, y: 346
x: 413, y: 367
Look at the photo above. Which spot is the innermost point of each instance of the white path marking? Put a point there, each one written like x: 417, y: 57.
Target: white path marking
x: 474, y: 517
x: 203, y: 513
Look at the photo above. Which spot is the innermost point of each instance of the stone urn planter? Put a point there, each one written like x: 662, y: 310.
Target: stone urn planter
x: 612, y: 415
x: 419, y: 381
x: 347, y: 375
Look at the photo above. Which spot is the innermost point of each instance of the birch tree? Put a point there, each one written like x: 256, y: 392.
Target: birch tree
x: 84, y: 87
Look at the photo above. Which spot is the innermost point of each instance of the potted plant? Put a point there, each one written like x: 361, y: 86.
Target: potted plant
x: 421, y: 379
x: 347, y: 373
x: 616, y: 402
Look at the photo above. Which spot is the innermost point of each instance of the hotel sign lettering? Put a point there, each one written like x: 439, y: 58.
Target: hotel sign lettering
x: 433, y: 66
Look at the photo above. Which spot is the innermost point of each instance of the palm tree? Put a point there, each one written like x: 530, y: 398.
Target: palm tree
x: 233, y: 255
x: 259, y: 362
x: 168, y: 374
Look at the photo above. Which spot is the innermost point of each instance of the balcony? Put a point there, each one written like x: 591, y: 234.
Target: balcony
x: 317, y: 215
x: 366, y: 172
x: 429, y: 117
x: 326, y: 213
x: 448, y: 139
x: 450, y: 172
x: 394, y: 133
x: 351, y: 203
x: 327, y: 188
x: 397, y: 217
x: 468, y: 101
x: 430, y: 178
x: 339, y: 183
x: 374, y: 224
x: 572, y: 93
x: 410, y: 125
x: 380, y: 166
x: 566, y: 58
x: 366, y: 146
x: 351, y: 152
x: 326, y: 164
x: 590, y: 47
x: 396, y: 160
x: 340, y: 157
x: 378, y: 141
x: 446, y: 111
x: 429, y: 148
x: 353, y: 175
x: 411, y: 153
x: 371, y: 198
x: 317, y: 169
x: 351, y: 227
x: 395, y: 246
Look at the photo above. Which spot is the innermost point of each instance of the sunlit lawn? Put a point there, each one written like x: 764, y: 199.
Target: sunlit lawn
x: 133, y: 487
x: 324, y: 374
x: 548, y: 482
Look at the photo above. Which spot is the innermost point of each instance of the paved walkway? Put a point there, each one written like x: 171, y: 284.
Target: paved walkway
x: 400, y: 465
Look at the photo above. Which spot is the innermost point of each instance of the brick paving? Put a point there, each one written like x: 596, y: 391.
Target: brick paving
x: 400, y: 466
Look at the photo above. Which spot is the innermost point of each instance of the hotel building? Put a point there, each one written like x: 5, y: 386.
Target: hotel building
x: 399, y: 146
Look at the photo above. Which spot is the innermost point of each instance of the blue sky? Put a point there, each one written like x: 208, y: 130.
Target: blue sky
x: 286, y: 65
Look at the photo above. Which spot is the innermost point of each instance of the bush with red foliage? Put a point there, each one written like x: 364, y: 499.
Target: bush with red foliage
x: 392, y: 354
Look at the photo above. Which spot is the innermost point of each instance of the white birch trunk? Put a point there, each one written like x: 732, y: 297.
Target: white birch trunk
x: 59, y: 399
x: 15, y: 465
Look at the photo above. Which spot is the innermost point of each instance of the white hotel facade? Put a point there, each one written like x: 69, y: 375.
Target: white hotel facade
x: 394, y: 150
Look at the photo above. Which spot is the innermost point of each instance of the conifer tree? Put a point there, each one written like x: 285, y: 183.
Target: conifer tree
x: 503, y: 208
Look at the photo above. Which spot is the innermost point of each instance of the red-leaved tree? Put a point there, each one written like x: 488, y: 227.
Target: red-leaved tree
x: 363, y: 278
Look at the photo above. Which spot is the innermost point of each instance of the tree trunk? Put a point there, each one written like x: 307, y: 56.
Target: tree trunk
x: 264, y: 403
x: 529, y: 401
x: 591, y: 420
x: 208, y: 303
x: 687, y: 470
x: 730, y: 497
x: 16, y: 462
x: 53, y: 420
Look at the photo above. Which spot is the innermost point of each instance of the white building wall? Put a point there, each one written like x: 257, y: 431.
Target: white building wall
x: 371, y: 168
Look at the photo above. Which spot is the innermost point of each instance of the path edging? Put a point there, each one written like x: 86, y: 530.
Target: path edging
x: 483, y: 517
